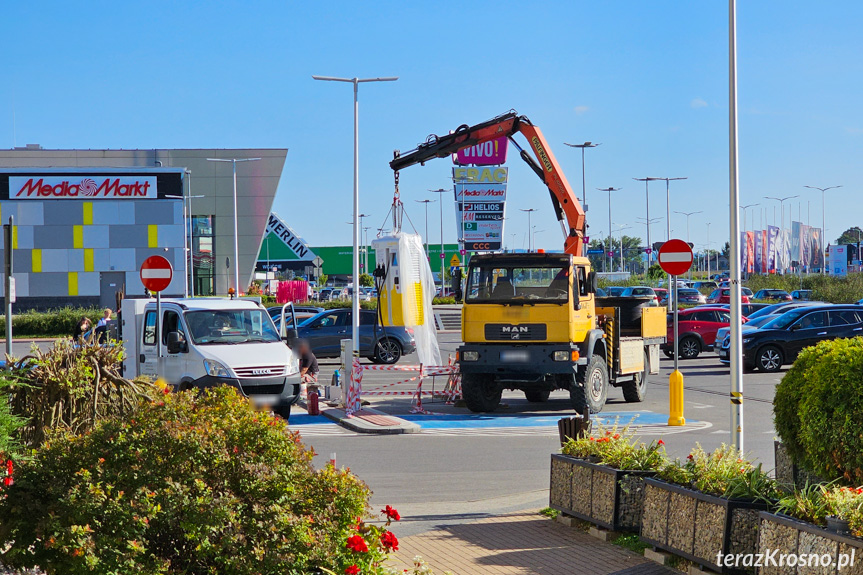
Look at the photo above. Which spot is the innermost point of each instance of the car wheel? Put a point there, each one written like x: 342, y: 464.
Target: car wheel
x: 480, y: 392
x: 590, y: 388
x: 537, y: 395
x: 388, y: 351
x: 769, y: 359
x: 689, y: 347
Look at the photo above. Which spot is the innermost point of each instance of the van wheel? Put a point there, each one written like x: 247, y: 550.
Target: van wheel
x: 480, y: 392
x: 537, y: 395
x: 284, y: 412
x: 388, y: 351
x: 635, y: 390
x: 590, y: 388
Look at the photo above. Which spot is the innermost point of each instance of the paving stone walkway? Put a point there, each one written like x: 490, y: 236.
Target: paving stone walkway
x: 520, y: 543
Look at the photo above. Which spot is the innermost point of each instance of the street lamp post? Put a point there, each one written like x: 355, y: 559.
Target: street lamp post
x: 823, y: 221
x: 668, y: 222
x: 620, y: 229
x: 647, y: 220
x: 609, y: 190
x: 687, y: 214
x: 441, y: 191
x: 427, y: 202
x: 583, y: 187
x: 236, y: 231
x: 529, y: 240
x: 355, y: 307
x: 782, y: 215
x: 708, y: 250
x: 187, y: 240
x: 364, y: 250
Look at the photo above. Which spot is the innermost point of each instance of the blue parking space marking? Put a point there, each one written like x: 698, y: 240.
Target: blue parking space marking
x: 474, y: 421
x: 297, y: 419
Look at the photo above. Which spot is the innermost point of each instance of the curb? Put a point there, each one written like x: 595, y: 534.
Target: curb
x: 360, y: 425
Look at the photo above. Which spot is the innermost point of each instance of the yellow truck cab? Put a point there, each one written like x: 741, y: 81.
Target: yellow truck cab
x: 532, y: 322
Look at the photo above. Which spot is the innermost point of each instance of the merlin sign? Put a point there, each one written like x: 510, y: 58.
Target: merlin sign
x: 85, y: 185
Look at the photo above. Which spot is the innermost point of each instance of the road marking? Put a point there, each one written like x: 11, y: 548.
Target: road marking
x: 321, y: 430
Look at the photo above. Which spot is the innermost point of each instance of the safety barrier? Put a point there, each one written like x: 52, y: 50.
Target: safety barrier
x: 452, y: 390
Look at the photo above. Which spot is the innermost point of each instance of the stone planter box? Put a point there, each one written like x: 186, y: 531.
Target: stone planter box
x: 607, y: 497
x: 788, y: 473
x: 697, y: 526
x: 790, y: 536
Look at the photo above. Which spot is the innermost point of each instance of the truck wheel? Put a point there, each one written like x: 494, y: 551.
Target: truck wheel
x: 537, y: 395
x: 590, y: 388
x: 480, y: 392
x: 635, y: 390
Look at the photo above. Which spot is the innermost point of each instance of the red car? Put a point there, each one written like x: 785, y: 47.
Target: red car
x: 697, y: 328
x: 723, y: 295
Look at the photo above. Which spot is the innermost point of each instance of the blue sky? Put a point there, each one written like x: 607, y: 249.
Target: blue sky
x: 646, y: 79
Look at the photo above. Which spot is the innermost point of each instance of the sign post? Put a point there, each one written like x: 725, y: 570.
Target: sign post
x: 156, y: 273
x: 675, y: 259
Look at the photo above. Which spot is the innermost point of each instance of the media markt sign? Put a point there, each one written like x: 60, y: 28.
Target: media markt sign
x: 480, y: 198
x: 83, y: 186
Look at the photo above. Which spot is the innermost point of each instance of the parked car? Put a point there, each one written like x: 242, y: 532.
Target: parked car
x: 303, y: 313
x: 614, y: 291
x: 705, y: 285
x: 778, y: 308
x: 697, y: 329
x: 723, y: 295
x: 641, y: 291
x: 746, y: 309
x: 773, y: 294
x: 325, y: 331
x: 723, y: 340
x: 690, y: 295
x: 325, y: 294
x: 662, y: 294
x: 801, y: 294
x: 779, y: 341
x: 600, y: 293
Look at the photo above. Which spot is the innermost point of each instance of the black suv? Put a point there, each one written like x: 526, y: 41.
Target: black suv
x: 779, y: 341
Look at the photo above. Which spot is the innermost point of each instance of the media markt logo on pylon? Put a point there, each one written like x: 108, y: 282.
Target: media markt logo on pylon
x: 63, y: 187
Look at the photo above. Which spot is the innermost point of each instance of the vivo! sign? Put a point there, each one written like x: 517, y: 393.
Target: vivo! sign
x: 82, y: 187
x: 488, y: 153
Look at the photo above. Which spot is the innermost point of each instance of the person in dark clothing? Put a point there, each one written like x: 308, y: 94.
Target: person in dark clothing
x: 308, y: 363
x: 82, y: 327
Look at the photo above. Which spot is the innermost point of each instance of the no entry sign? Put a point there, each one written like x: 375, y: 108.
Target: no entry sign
x: 156, y: 273
x: 675, y: 257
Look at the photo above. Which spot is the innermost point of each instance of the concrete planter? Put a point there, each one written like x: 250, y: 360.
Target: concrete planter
x: 788, y: 473
x: 698, y: 526
x: 607, y: 497
x: 789, y: 536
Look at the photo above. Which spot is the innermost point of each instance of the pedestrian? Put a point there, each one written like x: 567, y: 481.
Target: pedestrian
x: 308, y: 368
x: 81, y: 328
x: 102, y: 326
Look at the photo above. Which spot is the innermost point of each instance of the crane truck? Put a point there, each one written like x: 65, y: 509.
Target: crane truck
x: 532, y: 321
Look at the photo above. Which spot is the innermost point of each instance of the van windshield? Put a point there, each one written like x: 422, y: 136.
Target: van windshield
x: 518, y: 284
x: 215, y: 327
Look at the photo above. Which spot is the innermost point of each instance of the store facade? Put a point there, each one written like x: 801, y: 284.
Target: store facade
x: 85, y: 220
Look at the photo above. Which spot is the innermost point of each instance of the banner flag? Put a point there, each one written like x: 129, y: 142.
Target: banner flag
x: 817, y: 248
x: 805, y: 247
x: 759, y: 251
x: 772, y: 245
x: 795, y: 249
x: 750, y: 251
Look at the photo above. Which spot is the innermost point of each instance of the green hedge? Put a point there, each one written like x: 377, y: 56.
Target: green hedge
x: 818, y: 409
x: 56, y: 322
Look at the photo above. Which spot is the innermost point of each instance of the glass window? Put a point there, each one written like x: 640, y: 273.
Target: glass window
x: 203, y: 255
x: 519, y: 284
x: 708, y: 316
x: 582, y: 281
x: 150, y: 328
x: 211, y: 327
x: 723, y: 316
x: 814, y: 320
x: 844, y: 317
x: 366, y: 317
x: 330, y: 320
x: 171, y: 322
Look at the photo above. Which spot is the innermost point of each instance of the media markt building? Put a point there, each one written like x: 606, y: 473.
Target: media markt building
x: 85, y: 220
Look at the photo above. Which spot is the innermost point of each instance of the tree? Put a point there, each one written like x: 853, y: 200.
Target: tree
x: 366, y: 280
x: 631, y: 252
x: 322, y: 279
x: 850, y: 236
x: 726, y: 250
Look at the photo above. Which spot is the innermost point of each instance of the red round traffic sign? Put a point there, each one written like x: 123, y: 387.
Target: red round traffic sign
x: 156, y: 273
x: 675, y: 257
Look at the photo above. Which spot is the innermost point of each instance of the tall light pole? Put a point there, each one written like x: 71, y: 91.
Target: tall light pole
x: 687, y: 214
x: 782, y: 215
x: 365, y: 251
x: 529, y: 212
x: 536, y: 231
x: 823, y: 222
x: 620, y: 229
x: 583, y: 187
x: 649, y: 253
x: 355, y: 307
x: 708, y: 250
x: 236, y: 232
x: 668, y: 222
x: 736, y: 349
x: 609, y: 190
x: 647, y: 219
x: 441, y: 191
x: 187, y: 239
x: 427, y: 202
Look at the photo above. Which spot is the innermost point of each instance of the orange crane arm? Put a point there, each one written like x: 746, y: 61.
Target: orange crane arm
x: 567, y: 208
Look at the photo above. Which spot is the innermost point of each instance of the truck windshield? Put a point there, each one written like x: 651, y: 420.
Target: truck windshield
x: 518, y: 284
x: 215, y: 327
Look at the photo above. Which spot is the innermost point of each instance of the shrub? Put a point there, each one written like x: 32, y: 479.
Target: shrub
x: 787, y: 398
x: 70, y: 387
x: 815, y: 502
x: 192, y: 484
x: 830, y: 411
x: 618, y: 448
x: 55, y: 323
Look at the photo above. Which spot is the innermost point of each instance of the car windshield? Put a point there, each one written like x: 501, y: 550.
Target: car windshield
x: 786, y: 319
x: 615, y: 290
x: 216, y: 327
x: 688, y: 292
x: 518, y: 284
x: 759, y: 321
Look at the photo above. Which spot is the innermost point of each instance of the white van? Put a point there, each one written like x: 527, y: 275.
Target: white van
x: 210, y: 342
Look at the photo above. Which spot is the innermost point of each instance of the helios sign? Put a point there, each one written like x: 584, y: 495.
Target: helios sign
x: 82, y: 186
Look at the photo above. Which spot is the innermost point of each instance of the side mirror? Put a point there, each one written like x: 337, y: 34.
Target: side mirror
x: 291, y: 338
x: 795, y: 327
x: 175, y: 344
x: 592, y: 282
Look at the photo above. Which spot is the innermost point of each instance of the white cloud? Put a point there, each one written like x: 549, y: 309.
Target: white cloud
x: 855, y: 131
x: 579, y: 110
x: 697, y: 103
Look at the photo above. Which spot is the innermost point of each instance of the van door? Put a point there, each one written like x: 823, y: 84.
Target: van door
x: 174, y: 365
x: 149, y: 362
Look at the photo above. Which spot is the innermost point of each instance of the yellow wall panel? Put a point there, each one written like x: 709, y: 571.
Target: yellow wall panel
x: 14, y: 238
x: 77, y: 237
x: 153, y: 236
x: 88, y: 260
x: 73, y: 283
x: 88, y: 213
x: 36, y: 263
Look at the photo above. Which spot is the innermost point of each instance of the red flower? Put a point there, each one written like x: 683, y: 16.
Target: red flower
x: 9, y: 467
x: 8, y: 481
x: 689, y: 457
x: 389, y: 541
x: 391, y: 513
x: 616, y: 436
x: 167, y: 390
x: 352, y: 570
x: 357, y: 544
x: 660, y: 442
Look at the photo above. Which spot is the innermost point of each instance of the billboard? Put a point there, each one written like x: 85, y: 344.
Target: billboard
x: 838, y: 262
x: 488, y: 153
x: 480, y: 199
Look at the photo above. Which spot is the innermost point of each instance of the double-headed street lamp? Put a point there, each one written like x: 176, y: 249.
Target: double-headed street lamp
x: 427, y: 202
x: 529, y: 212
x: 608, y: 191
x: 355, y: 331
x: 236, y: 233
x: 823, y: 220
x: 441, y: 191
x: 687, y: 214
x: 583, y: 187
x: 647, y: 219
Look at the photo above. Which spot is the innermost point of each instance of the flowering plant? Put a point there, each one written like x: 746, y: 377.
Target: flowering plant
x: 618, y: 447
